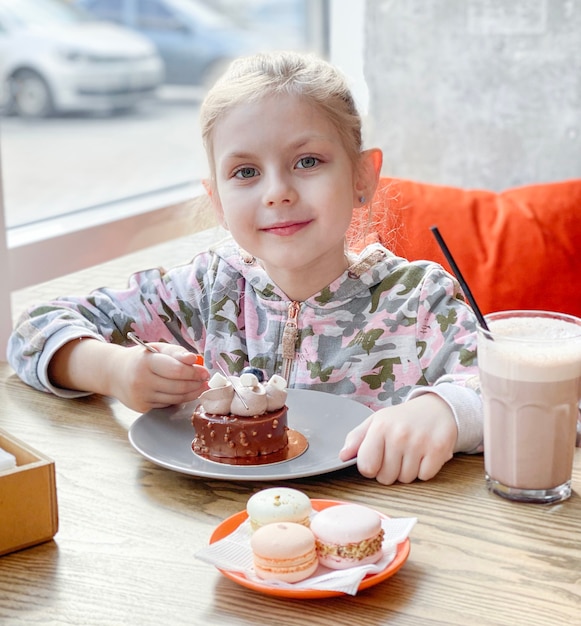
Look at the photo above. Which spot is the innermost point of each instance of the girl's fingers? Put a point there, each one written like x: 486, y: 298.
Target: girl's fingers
x: 353, y: 441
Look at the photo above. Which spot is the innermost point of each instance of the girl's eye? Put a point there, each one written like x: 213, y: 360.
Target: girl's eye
x: 246, y: 172
x: 307, y: 162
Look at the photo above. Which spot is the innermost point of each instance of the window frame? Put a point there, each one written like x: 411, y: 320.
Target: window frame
x: 5, y: 287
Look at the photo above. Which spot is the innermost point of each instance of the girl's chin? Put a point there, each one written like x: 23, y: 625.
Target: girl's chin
x: 283, y: 255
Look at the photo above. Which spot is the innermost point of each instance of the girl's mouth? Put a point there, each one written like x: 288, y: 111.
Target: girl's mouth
x: 286, y: 229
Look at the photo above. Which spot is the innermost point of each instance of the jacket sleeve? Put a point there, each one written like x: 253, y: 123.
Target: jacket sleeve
x: 447, y: 338
x: 156, y: 305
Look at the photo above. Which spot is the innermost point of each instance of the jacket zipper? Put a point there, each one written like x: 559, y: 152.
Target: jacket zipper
x: 289, y: 339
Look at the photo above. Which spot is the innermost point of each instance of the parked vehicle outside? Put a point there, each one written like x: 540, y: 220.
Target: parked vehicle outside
x: 55, y: 58
x: 195, y: 41
x: 285, y: 23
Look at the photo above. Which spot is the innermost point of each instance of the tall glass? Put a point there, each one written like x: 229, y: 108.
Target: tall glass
x: 530, y: 375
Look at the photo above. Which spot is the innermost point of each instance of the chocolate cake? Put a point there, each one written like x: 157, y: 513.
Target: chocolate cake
x: 233, y: 436
x: 241, y: 418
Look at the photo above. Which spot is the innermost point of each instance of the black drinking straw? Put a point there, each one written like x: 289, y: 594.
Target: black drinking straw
x: 459, y: 276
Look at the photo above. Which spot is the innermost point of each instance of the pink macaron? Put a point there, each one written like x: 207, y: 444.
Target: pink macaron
x: 347, y: 535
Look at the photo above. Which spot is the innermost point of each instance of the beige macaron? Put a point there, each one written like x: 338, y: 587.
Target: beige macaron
x: 279, y: 504
x: 284, y: 551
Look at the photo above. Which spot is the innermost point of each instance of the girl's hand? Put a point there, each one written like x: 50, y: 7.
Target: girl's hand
x: 404, y: 442
x: 143, y: 380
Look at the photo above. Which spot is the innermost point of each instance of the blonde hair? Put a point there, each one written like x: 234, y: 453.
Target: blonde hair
x: 249, y: 79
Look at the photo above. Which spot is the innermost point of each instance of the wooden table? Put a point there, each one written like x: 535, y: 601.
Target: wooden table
x: 124, y: 553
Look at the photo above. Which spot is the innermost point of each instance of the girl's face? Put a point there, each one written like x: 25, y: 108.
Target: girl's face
x: 285, y: 188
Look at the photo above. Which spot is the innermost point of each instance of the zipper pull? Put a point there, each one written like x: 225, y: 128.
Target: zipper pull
x: 289, y: 339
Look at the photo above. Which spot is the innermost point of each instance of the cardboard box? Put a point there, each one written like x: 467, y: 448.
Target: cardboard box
x: 28, y: 502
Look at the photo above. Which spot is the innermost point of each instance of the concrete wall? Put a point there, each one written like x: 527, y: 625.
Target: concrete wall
x: 476, y: 93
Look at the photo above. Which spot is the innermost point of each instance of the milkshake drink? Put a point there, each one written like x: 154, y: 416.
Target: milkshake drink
x: 530, y: 375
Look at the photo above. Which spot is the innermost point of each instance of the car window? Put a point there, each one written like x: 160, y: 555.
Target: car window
x: 106, y: 9
x: 207, y: 16
x: 153, y: 15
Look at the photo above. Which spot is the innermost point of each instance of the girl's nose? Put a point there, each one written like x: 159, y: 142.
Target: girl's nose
x: 279, y: 191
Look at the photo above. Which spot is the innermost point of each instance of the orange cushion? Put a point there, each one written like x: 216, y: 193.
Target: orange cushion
x: 517, y: 249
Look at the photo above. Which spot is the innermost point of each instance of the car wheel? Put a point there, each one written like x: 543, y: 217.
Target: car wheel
x: 30, y: 95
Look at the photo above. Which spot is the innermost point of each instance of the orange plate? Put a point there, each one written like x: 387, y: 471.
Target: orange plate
x: 229, y: 525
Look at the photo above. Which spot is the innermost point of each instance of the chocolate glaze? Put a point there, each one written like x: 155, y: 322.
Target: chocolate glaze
x: 232, y: 436
x: 297, y: 445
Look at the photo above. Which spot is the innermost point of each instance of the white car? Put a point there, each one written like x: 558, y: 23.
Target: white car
x: 55, y: 58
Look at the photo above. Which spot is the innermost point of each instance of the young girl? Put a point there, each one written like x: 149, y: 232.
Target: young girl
x: 283, y: 140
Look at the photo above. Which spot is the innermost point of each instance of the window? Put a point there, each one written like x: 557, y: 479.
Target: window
x: 129, y: 156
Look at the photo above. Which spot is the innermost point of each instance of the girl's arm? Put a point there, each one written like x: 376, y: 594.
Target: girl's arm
x: 138, y: 378
x: 442, y: 416
x: 77, y: 345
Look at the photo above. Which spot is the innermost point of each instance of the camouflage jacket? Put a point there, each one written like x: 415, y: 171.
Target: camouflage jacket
x: 385, y: 330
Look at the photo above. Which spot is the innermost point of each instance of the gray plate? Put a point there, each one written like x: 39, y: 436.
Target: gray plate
x: 164, y: 436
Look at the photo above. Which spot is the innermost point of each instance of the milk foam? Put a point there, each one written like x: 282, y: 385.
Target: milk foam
x: 533, y: 349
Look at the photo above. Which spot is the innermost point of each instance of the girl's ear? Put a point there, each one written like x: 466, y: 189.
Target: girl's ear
x: 207, y: 183
x: 367, y: 177
x: 215, y: 201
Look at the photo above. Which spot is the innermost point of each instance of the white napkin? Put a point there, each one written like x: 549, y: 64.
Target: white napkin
x: 233, y: 553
